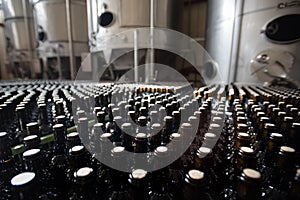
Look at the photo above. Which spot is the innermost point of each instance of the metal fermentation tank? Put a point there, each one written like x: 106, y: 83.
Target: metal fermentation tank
x: 63, y: 36
x: 255, y: 41
x: 21, y: 38
x: 108, y: 17
x: 3, y: 55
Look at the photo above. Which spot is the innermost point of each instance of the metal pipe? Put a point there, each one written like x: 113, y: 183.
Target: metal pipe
x: 59, y: 64
x: 136, y: 72
x: 152, y: 23
x: 235, y: 41
x: 90, y: 14
x: 28, y: 37
x: 70, y: 37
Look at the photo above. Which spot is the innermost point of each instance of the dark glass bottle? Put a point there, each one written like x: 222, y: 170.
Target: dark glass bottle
x: 25, y: 186
x: 196, y: 186
x: 160, y: 187
x: 43, y: 120
x: 83, y: 130
x: 175, y: 141
x: 176, y: 121
x: 209, y: 140
x: 31, y: 141
x: 78, y: 158
x: 141, y: 143
x: 243, y: 139
x: 204, y: 161
x: 33, y: 128
x: 273, y: 146
x: 156, y: 135
x: 127, y: 140
x: 32, y: 161
x: 7, y: 164
x: 293, y: 140
x: 268, y: 129
x: 294, y: 189
x: 85, y: 185
x: 245, y: 158
x: 117, y: 123
x: 119, y: 184
x: 21, y: 121
x: 284, y: 169
x: 73, y: 139
x: 59, y: 163
x: 167, y: 129
x: 249, y: 185
x: 138, y: 184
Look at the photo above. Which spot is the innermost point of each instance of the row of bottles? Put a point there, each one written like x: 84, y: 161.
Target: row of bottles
x: 243, y: 141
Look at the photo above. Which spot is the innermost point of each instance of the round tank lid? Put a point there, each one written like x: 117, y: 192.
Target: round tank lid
x: 32, y: 124
x: 118, y: 149
x: 58, y: 126
x: 31, y: 152
x: 141, y: 135
x: 196, y: 174
x: 22, y: 179
x: 287, y: 149
x: 251, y: 173
x: 3, y: 134
x: 276, y: 135
x: 77, y: 148
x: 139, y: 174
x: 162, y: 149
x: 243, y: 134
x: 73, y: 134
x: 156, y: 126
x: 85, y: 171
x: 210, y: 135
x: 30, y: 137
x: 186, y: 125
x: 167, y: 118
x: 217, y: 118
x: 247, y: 149
x: 214, y: 126
x: 105, y: 135
x: 205, y: 150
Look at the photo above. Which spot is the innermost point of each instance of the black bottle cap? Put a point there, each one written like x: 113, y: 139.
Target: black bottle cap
x: 33, y: 128
x: 32, y: 141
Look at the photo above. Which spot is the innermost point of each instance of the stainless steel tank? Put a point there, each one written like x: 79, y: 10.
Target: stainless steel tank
x: 255, y: 41
x: 21, y: 37
x: 63, y: 34
x: 3, y: 54
x: 109, y: 17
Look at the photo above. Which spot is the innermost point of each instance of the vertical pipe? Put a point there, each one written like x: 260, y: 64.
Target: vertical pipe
x: 235, y: 41
x: 70, y: 37
x: 28, y: 37
x: 136, y: 73
x: 152, y: 23
x: 59, y: 64
x: 2, y: 50
x: 90, y: 21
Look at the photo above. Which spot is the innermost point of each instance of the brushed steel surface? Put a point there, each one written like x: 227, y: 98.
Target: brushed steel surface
x: 254, y: 16
x: 130, y: 14
x: 18, y: 24
x: 52, y: 16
